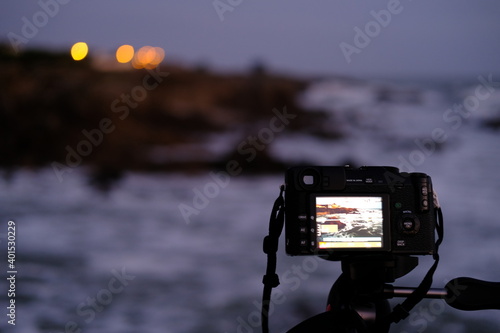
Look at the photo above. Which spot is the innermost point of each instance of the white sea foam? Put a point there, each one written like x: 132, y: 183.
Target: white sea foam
x: 206, y: 276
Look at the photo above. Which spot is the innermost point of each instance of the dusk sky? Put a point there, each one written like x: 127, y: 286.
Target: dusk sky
x: 369, y: 38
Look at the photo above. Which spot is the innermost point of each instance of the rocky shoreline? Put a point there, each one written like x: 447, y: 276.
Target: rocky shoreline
x: 65, y: 114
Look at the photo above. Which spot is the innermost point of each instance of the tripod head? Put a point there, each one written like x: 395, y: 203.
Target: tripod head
x: 358, y: 300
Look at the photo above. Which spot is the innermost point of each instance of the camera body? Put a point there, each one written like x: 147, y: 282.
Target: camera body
x: 334, y: 211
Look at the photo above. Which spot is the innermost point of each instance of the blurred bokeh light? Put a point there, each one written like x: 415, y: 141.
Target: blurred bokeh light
x: 125, y: 54
x: 148, y: 57
x: 79, y: 51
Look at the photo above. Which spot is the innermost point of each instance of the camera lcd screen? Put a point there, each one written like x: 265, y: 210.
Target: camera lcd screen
x: 349, y: 222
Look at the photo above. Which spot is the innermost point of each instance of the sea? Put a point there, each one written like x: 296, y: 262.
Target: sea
x: 182, y: 253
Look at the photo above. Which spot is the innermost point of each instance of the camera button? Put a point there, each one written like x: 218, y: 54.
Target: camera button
x: 408, y: 225
x: 425, y: 190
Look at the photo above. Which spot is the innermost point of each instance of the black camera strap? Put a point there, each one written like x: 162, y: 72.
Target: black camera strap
x: 401, y: 311
x: 271, y: 279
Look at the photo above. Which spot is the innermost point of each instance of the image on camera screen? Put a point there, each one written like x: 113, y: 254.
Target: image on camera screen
x: 349, y: 222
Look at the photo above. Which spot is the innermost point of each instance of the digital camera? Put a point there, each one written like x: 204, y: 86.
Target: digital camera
x: 334, y: 211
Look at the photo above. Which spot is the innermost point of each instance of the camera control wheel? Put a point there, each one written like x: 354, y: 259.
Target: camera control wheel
x: 409, y: 224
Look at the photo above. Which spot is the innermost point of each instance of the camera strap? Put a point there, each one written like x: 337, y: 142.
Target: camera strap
x: 401, y: 311
x: 270, y: 247
x: 271, y: 279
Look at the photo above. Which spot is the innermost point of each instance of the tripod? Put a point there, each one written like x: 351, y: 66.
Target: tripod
x: 358, y: 300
